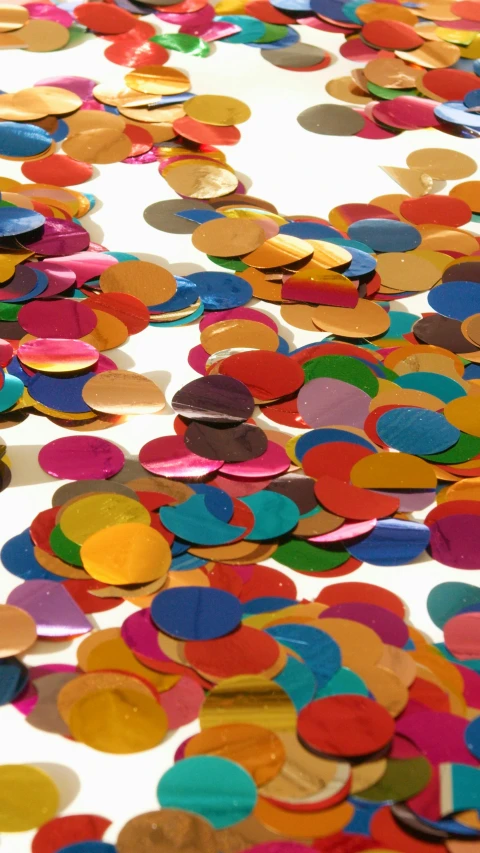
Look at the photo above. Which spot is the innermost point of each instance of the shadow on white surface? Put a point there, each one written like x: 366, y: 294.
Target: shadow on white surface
x: 66, y: 780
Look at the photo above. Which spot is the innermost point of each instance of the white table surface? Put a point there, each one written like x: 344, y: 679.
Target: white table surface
x: 301, y: 173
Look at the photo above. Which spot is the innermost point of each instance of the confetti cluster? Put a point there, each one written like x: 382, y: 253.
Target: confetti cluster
x: 327, y: 723
x: 332, y: 723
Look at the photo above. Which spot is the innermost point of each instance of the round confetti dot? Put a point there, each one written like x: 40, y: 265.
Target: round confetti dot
x: 168, y: 457
x: 29, y: 798
x: 217, y: 110
x: 69, y: 829
x: 215, y: 788
x: 18, y: 631
x: 125, y: 554
x: 14, y: 679
x: 16, y: 220
x: 131, y: 53
x: 194, y: 613
x: 331, y: 120
x: 122, y: 392
x: 55, y: 355
x: 340, y: 593
x: 392, y: 542
x: 443, y: 210
x: 88, y: 514
x: 23, y: 140
x: 228, y: 237
x: 133, y: 721
x: 244, y: 650
x: 347, y: 726
x: 149, y: 283
x: 257, y: 750
x: 81, y: 458
x: 220, y: 399
x: 267, y: 375
x: 324, y: 401
x: 221, y: 290
x: 414, y: 430
x: 462, y: 635
x: 447, y: 599
x: 57, y: 319
x: 166, y: 830
x: 319, y: 651
x: 109, y: 20
x: 385, y: 235
x: 58, y: 169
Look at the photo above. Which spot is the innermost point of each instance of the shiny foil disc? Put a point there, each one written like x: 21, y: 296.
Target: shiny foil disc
x: 123, y: 392
x: 54, y: 355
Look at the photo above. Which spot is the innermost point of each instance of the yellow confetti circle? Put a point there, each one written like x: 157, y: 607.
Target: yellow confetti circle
x: 28, y: 798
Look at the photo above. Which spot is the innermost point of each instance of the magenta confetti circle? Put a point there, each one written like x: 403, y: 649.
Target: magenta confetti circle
x: 81, y: 457
x: 168, y: 457
x: 57, y: 318
x: 59, y: 237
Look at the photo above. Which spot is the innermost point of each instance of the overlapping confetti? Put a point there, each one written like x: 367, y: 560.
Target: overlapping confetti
x: 330, y: 724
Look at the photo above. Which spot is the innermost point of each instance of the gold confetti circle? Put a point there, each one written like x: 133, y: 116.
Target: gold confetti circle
x: 122, y: 392
x: 29, y: 798
x: 89, y: 514
x: 157, y: 80
x: 118, y: 720
x: 126, y: 553
x: 150, y: 283
x: 218, y: 110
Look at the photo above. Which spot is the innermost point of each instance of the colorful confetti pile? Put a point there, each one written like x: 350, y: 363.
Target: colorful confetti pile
x: 317, y: 720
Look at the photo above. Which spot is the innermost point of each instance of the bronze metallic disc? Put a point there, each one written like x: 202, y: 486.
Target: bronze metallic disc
x: 432, y: 54
x: 227, y: 238
x: 366, y: 320
x: 9, y: 111
x: 122, y: 392
x: 345, y: 89
x: 408, y: 270
x: 303, y: 775
x: 85, y: 120
x: 42, y: 36
x: 299, y: 316
x: 200, y: 179
x: 167, y: 831
x: 103, y: 145
x: 443, y: 164
x: 121, y: 96
x: 160, y: 115
x: 157, y: 80
x: 260, y: 751
x: 279, y: 251
x: 17, y: 631
x: 150, y: 283
x: 12, y: 18
x: 109, y: 332
x: 232, y: 334
x: 248, y: 699
x: 48, y: 100
x: 391, y: 73
x: 217, y: 110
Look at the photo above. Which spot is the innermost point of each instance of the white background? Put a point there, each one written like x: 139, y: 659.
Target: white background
x: 301, y: 173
